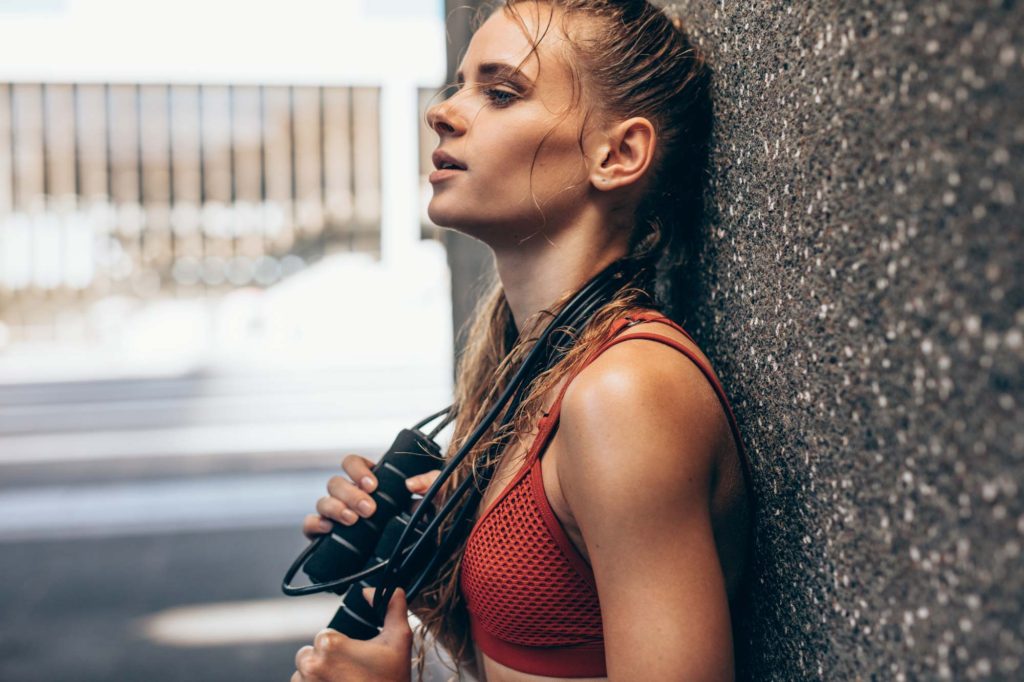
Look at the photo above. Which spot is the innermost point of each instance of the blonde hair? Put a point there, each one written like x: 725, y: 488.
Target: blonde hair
x: 637, y: 62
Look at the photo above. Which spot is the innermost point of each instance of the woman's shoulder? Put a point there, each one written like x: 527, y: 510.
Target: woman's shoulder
x: 640, y: 373
x: 647, y: 367
x: 643, y: 387
x: 626, y: 412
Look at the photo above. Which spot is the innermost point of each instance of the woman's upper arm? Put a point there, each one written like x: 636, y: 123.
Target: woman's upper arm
x: 640, y: 432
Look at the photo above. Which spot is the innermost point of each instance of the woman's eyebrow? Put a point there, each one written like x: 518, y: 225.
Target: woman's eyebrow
x: 497, y: 70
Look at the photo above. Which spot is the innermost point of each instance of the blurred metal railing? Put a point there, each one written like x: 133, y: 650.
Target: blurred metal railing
x: 154, y: 189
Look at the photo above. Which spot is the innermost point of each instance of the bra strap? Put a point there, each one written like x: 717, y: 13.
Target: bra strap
x: 620, y: 325
x: 631, y: 320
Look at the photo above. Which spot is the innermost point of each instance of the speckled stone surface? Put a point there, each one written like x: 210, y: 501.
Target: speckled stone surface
x: 865, y: 310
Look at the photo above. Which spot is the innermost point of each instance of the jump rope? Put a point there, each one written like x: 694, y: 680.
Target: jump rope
x: 395, y: 548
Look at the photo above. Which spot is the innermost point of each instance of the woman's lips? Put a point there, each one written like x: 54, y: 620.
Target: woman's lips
x: 444, y: 174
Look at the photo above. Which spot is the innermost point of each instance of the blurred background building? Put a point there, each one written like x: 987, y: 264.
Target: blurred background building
x: 216, y: 278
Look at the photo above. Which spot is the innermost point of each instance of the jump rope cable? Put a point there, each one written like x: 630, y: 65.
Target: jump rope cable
x: 576, y: 312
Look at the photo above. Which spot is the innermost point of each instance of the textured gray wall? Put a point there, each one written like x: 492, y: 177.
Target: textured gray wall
x: 864, y: 308
x: 863, y: 305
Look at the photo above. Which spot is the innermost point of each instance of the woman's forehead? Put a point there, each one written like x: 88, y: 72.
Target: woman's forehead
x: 509, y: 39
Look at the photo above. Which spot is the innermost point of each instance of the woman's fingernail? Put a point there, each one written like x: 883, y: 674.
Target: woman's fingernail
x: 325, y: 526
x: 368, y: 483
x: 366, y: 507
x: 410, y: 483
x: 349, y: 516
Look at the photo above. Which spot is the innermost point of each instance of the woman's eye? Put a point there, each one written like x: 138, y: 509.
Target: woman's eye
x: 500, y: 98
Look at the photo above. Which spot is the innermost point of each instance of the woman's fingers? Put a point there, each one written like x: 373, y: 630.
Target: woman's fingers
x: 396, y: 620
x: 352, y: 498
x: 331, y: 507
x: 358, y: 469
x: 301, y: 655
x: 314, y: 525
x: 420, y: 483
x: 346, y: 501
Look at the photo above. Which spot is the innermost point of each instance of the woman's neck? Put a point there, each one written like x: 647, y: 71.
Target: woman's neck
x: 533, y: 279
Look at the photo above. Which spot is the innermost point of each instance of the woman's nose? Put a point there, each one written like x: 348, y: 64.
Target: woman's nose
x: 443, y: 119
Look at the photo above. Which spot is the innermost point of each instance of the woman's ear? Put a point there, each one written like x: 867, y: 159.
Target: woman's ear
x: 625, y: 154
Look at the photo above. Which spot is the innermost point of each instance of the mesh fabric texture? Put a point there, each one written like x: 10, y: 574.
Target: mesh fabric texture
x: 518, y: 583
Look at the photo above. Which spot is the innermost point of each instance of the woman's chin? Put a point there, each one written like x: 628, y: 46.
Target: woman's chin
x: 442, y: 217
x: 467, y: 228
x: 486, y: 228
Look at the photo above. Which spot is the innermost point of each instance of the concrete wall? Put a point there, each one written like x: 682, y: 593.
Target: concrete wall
x: 864, y: 307
x: 862, y: 302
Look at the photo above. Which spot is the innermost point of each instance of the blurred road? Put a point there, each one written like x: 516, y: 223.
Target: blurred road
x: 74, y: 609
x: 216, y: 410
x: 89, y: 598
x: 146, y: 523
x: 164, y: 578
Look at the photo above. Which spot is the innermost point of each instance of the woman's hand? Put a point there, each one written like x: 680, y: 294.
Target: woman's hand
x: 346, y: 501
x: 337, y: 658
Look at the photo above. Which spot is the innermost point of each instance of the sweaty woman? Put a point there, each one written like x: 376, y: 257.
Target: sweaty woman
x: 613, y: 535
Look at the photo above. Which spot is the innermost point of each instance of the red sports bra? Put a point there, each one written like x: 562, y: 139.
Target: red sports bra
x: 532, y: 601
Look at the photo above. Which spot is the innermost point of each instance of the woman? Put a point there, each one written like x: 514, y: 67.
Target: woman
x: 574, y: 140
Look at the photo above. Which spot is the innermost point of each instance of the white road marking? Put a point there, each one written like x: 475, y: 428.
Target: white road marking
x: 241, y: 622
x: 264, y: 621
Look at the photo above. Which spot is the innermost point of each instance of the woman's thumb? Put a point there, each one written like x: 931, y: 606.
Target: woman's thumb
x: 421, y: 482
x: 397, y: 617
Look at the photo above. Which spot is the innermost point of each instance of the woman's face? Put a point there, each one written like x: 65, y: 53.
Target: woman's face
x: 493, y: 127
